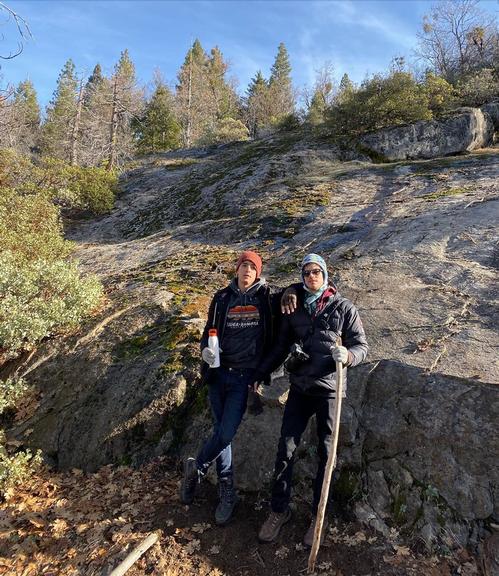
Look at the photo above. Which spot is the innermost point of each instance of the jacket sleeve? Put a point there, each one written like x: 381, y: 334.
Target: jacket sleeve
x: 280, y: 350
x: 354, y: 337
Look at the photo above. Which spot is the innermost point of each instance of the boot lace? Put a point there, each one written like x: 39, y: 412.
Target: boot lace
x: 226, y: 492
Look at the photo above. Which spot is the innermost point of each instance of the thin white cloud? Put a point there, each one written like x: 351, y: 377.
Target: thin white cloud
x: 356, y: 14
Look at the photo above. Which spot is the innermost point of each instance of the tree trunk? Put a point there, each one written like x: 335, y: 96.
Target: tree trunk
x: 113, y: 128
x: 76, y: 128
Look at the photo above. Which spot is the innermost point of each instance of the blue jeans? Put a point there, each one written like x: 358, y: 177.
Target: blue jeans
x: 228, y: 394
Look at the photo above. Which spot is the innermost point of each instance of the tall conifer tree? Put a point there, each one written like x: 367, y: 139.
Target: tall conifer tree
x: 158, y: 129
x: 61, y: 113
x: 191, y: 94
x: 96, y: 114
x: 258, y: 110
x: 126, y: 102
x: 280, y: 85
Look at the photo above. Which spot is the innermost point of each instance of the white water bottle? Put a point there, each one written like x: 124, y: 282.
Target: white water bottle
x: 214, y: 347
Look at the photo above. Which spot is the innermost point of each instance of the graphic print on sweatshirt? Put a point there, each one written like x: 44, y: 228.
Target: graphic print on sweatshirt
x: 243, y: 317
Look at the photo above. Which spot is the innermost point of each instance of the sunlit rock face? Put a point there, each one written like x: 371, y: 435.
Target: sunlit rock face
x: 413, y: 244
x: 463, y: 131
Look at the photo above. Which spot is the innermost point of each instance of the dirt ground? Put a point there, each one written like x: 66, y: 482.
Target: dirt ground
x: 75, y: 523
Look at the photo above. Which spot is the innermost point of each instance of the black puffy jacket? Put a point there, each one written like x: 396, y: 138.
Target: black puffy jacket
x: 317, y: 335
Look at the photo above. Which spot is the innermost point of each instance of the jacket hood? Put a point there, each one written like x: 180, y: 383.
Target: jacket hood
x: 253, y: 289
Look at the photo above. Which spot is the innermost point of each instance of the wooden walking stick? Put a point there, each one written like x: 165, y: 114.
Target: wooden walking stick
x: 330, y: 465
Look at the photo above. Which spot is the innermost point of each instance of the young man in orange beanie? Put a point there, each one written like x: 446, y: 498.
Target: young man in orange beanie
x: 243, y: 314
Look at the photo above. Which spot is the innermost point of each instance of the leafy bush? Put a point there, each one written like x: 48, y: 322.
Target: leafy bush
x: 17, y: 171
x: 39, y: 298
x: 224, y: 131
x: 96, y: 189
x: 11, y: 390
x: 75, y: 186
x: 380, y: 102
x: 30, y: 227
x: 16, y: 468
x: 479, y: 88
x: 442, y: 96
x: 72, y: 186
x: 288, y: 123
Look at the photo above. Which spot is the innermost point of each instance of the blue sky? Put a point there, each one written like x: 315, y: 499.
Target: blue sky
x: 356, y: 36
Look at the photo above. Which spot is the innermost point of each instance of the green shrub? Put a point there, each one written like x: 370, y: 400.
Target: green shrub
x: 224, y: 131
x: 11, y: 390
x: 71, y: 186
x: 30, y: 227
x: 380, y: 102
x: 288, y: 123
x: 442, y: 96
x: 479, y: 88
x: 16, y: 468
x: 96, y: 189
x: 75, y: 186
x: 39, y: 298
x: 17, y: 171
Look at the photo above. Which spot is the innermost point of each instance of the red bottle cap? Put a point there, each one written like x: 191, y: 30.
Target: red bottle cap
x: 212, y: 332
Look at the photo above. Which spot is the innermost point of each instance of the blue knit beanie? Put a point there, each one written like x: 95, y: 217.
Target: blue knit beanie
x: 316, y: 259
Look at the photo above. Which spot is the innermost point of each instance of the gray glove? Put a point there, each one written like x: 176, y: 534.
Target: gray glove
x: 340, y: 354
x: 208, y: 356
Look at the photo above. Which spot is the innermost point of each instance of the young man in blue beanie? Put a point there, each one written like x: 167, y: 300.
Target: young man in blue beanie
x: 321, y: 316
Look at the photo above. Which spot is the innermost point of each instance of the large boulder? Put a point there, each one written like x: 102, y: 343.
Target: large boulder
x: 492, y: 109
x: 467, y: 130
x: 417, y: 450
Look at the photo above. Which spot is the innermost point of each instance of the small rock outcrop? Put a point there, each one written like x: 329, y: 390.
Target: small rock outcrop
x: 463, y: 131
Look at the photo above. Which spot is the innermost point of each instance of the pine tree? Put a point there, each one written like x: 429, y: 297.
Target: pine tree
x: 258, y: 111
x: 317, y: 109
x: 322, y: 95
x: 19, y: 118
x: 158, y: 129
x: 191, y: 95
x: 346, y: 89
x: 280, y: 86
x: 25, y: 98
x: 96, y: 114
x: 223, y: 93
x: 61, y: 112
x: 94, y: 83
x: 126, y: 103
x: 27, y: 116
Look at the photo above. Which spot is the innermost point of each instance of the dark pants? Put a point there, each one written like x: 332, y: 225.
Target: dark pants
x: 228, y: 394
x: 299, y: 408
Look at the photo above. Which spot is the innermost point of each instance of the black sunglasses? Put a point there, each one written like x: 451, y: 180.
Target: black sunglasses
x: 314, y: 272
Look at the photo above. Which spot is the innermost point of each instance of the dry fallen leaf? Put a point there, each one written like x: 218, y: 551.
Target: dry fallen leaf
x: 193, y: 546
x: 200, y: 528
x: 282, y: 552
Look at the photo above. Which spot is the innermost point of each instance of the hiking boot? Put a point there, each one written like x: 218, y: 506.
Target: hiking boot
x: 228, y: 500
x: 272, y: 526
x: 190, y: 481
x: 308, y: 539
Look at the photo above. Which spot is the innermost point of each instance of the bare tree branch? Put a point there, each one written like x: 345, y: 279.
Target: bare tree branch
x: 22, y: 28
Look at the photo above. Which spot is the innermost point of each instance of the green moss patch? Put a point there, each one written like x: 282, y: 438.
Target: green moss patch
x: 456, y: 191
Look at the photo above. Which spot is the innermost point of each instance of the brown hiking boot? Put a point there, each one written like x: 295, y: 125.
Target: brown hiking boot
x: 308, y: 539
x: 272, y: 526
